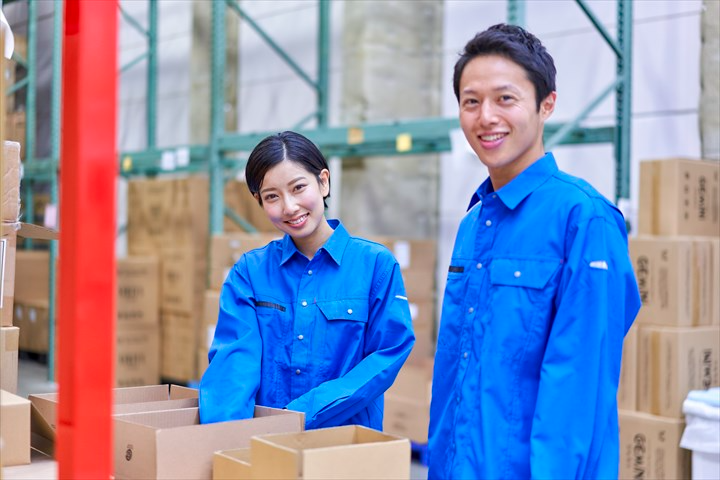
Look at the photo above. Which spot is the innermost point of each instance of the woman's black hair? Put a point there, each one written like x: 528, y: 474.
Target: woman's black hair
x: 275, y: 149
x: 518, y: 45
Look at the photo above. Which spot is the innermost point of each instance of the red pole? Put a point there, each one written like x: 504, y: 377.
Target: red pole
x: 86, y: 299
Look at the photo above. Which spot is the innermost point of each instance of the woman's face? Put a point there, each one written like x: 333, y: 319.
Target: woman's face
x: 292, y: 198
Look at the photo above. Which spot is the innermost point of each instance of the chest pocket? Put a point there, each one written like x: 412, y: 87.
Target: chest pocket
x: 526, y: 273
x: 522, y: 293
x: 351, y: 310
x: 343, y: 330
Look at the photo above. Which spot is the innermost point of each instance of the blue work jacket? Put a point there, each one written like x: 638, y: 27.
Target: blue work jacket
x: 540, y: 294
x: 325, y: 336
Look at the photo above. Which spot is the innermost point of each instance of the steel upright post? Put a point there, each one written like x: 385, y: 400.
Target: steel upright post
x: 87, y: 238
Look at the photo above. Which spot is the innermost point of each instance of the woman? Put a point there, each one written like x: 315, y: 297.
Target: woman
x: 317, y: 321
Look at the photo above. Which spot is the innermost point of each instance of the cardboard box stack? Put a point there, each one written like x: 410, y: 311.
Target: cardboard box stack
x: 168, y: 218
x: 676, y: 258
x: 407, y: 401
x: 14, y: 430
x: 137, y: 320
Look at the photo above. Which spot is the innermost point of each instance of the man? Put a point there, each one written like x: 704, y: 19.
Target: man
x: 540, y: 290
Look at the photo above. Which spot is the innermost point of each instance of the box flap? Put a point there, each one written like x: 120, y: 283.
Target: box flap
x: 37, y: 232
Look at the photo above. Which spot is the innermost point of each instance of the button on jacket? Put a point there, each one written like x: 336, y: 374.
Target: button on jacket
x: 540, y: 293
x: 325, y: 336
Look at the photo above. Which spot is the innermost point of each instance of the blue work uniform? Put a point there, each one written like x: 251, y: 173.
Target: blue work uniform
x: 540, y: 294
x: 325, y: 336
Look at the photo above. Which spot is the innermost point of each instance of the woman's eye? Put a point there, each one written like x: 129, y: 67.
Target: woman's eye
x: 269, y: 197
x: 299, y: 187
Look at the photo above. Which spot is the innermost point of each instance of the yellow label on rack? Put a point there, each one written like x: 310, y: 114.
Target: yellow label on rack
x: 355, y: 135
x: 403, y: 142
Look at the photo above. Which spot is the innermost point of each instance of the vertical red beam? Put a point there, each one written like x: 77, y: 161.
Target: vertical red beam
x: 86, y: 297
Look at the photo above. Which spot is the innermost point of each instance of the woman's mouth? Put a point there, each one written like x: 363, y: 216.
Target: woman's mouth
x: 297, y: 221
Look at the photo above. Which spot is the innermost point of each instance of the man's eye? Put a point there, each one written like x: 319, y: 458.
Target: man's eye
x: 506, y: 98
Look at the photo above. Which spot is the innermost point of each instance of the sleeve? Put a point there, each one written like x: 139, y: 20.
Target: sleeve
x: 597, y: 301
x: 388, y: 342
x: 231, y: 381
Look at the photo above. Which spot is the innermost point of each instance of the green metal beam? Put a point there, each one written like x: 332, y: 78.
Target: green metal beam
x: 244, y: 224
x: 623, y: 99
x: 134, y: 62
x: 272, y: 44
x: 516, y: 12
x: 323, y: 62
x: 568, y: 128
x: 131, y: 20
x: 30, y: 111
x: 56, y: 92
x: 599, y: 26
x: 151, y: 98
x: 217, y: 116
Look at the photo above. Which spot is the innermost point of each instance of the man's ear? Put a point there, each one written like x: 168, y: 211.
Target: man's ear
x: 547, y: 106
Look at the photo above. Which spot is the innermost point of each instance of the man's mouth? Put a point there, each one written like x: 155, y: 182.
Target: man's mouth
x: 493, y: 137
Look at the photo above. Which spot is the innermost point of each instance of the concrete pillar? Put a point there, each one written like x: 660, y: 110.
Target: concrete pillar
x: 391, y: 70
x: 200, y: 72
x: 710, y: 80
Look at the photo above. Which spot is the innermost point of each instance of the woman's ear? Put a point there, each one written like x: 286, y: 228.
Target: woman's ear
x: 324, y: 182
x: 257, y: 197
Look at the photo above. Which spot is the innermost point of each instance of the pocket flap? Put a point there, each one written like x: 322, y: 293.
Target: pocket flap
x: 350, y: 309
x: 516, y: 272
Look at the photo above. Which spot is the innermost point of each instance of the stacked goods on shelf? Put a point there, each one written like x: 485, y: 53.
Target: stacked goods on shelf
x: 137, y: 319
x: 676, y: 257
x: 168, y: 218
x: 10, y: 228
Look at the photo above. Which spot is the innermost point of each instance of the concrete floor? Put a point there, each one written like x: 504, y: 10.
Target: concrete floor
x: 33, y: 378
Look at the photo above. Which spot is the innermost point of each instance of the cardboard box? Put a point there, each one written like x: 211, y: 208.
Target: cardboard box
x: 627, y: 387
x: 10, y: 209
x: 349, y: 452
x: 138, y: 298
x: 679, y: 197
x: 407, y: 418
x: 138, y: 355
x: 9, y: 338
x: 126, y: 401
x: 173, y: 445
x: 179, y: 350
x: 671, y: 362
x: 32, y: 319
x: 715, y: 281
x: 166, y: 212
x: 649, y: 447
x: 226, y: 249
x: 674, y: 276
x: 183, y: 275
x: 14, y: 429
x: 232, y: 465
x: 32, y: 276
x: 407, y: 401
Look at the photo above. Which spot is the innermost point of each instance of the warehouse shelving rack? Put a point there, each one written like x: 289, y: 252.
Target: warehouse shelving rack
x: 428, y: 135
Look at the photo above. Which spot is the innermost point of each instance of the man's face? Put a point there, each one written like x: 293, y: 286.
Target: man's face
x: 499, y: 116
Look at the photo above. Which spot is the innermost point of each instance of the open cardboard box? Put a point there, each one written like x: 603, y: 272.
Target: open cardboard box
x: 173, y: 444
x: 14, y: 430
x: 232, y: 465
x: 349, y: 452
x: 126, y: 400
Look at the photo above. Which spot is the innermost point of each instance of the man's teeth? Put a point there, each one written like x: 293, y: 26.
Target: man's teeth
x: 492, y: 138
